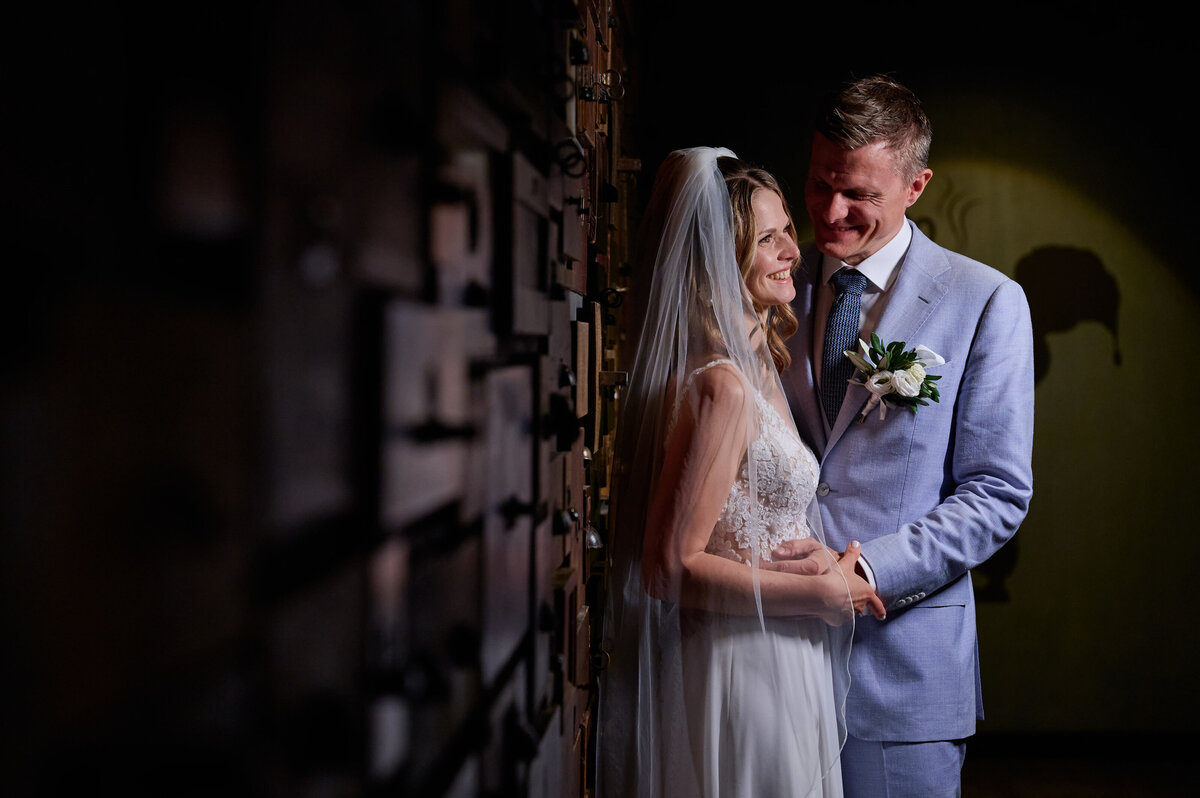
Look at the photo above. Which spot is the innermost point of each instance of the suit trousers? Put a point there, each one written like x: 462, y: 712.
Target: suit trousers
x: 874, y: 769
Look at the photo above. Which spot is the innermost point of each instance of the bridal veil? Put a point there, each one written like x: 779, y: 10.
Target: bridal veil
x: 693, y: 310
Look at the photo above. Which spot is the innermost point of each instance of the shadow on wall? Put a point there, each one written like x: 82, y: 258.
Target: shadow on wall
x: 1065, y: 286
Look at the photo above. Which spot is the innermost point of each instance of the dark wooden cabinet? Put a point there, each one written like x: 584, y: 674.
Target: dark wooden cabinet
x: 308, y: 423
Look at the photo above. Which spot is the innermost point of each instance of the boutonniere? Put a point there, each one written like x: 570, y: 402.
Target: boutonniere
x: 895, y: 377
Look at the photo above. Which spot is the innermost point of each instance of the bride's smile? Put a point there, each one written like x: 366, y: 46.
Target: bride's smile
x: 769, y: 280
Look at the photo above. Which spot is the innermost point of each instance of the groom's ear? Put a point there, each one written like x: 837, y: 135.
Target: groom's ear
x: 918, y: 185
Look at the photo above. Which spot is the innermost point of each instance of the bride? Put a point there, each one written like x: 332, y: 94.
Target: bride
x: 727, y: 673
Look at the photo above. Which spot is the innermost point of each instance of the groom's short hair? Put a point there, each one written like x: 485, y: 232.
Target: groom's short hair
x: 878, y: 108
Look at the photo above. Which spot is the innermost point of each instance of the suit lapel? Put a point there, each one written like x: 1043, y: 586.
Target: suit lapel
x: 918, y: 288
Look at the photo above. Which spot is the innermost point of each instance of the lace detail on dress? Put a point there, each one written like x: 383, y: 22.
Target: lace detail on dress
x: 786, y: 472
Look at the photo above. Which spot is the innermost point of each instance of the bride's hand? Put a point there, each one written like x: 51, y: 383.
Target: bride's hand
x: 862, y: 594
x: 801, y: 556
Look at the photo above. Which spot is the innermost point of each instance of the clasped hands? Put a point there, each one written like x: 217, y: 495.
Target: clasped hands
x: 807, y: 556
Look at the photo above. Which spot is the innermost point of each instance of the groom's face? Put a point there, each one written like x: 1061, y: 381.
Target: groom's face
x: 857, y: 198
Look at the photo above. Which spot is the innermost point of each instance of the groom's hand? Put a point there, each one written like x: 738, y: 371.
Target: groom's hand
x: 800, y: 556
x: 861, y: 592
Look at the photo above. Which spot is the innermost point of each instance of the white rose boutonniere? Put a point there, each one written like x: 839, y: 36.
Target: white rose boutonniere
x: 894, y: 376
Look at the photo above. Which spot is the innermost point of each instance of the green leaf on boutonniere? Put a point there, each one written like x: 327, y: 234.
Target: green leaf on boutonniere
x: 860, y: 363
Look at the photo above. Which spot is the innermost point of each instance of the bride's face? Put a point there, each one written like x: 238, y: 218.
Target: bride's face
x: 769, y: 280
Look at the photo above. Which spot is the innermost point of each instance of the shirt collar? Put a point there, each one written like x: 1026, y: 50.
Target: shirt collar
x: 880, y: 268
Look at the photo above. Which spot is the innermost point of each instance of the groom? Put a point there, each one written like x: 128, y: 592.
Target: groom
x: 932, y: 494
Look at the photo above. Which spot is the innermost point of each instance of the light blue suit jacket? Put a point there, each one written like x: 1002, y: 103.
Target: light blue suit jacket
x: 929, y: 495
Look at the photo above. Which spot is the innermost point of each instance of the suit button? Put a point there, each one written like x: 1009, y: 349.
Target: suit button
x: 920, y: 595
x: 823, y: 489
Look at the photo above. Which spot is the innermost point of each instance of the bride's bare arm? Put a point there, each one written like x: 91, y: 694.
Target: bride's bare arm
x: 704, y: 454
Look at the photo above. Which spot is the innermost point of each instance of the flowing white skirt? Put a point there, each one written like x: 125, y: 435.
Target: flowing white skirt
x: 761, y: 715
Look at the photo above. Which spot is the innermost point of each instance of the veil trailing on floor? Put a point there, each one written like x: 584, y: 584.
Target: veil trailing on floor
x: 697, y: 310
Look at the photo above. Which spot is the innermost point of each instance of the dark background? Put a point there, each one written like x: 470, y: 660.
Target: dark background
x: 1098, y: 99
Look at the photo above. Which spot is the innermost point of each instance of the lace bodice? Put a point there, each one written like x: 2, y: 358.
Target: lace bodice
x: 786, y: 473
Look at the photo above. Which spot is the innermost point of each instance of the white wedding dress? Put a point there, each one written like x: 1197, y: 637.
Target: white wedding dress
x: 741, y: 674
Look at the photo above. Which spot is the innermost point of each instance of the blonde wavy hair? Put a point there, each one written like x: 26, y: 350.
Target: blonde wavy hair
x: 742, y: 180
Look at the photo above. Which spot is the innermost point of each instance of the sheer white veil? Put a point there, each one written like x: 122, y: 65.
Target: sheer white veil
x: 694, y: 309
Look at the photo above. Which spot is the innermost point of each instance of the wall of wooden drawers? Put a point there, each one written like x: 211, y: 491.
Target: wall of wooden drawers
x: 313, y: 401
x: 472, y: 319
x: 497, y: 372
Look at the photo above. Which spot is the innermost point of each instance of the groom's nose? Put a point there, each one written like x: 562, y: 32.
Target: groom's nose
x: 835, y: 208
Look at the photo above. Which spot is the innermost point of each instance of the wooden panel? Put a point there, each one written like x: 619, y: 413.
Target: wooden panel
x: 567, y: 602
x: 574, y: 223
x: 513, y: 740
x: 461, y: 231
x: 426, y: 407
x: 427, y: 358
x: 530, y: 248
x: 547, y: 556
x: 441, y: 677
x: 545, y: 779
x: 508, y: 525
x: 581, y: 367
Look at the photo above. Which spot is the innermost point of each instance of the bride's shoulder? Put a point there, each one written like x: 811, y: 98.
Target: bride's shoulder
x: 721, y: 382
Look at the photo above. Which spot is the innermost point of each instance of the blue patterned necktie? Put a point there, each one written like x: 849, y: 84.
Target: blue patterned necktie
x: 841, y: 334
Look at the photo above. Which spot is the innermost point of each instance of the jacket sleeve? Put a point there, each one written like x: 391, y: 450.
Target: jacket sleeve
x: 988, y: 467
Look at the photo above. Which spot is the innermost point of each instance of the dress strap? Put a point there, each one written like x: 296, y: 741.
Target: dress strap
x: 697, y: 372
x: 687, y: 384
